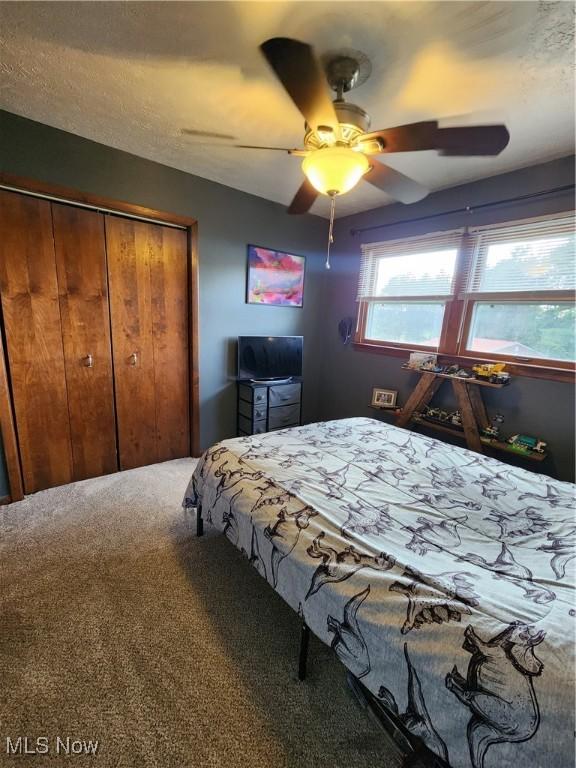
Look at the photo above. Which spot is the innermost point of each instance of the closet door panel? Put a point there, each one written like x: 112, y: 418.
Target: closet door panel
x: 29, y: 288
x: 83, y: 288
x: 130, y: 246
x: 169, y: 281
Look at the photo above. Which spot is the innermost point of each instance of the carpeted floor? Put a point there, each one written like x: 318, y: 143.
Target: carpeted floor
x: 118, y: 625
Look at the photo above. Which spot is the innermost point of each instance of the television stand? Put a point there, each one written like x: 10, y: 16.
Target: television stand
x: 265, y: 406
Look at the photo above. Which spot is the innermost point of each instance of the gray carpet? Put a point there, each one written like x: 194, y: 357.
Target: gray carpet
x: 118, y: 625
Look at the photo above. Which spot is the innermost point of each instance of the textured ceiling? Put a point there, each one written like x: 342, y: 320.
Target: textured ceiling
x: 131, y: 75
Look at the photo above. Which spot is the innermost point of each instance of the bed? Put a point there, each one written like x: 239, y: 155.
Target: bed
x: 442, y: 579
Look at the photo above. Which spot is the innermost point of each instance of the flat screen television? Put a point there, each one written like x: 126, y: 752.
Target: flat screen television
x: 266, y: 358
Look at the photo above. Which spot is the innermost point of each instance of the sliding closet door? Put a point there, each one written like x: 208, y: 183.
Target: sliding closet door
x: 147, y: 273
x: 29, y: 288
x: 83, y: 289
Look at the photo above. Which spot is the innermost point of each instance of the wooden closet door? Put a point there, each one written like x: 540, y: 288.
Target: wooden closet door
x: 147, y: 273
x: 83, y: 289
x: 128, y: 251
x: 169, y: 280
x: 29, y: 288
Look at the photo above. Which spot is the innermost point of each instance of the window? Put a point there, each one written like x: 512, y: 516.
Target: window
x: 520, y: 292
x: 504, y: 292
x: 405, y: 286
x: 525, y: 330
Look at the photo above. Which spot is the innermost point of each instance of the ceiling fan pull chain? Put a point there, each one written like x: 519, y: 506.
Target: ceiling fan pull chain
x: 330, y: 235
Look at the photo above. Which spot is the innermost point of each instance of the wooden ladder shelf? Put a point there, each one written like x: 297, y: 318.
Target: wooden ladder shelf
x: 469, y: 399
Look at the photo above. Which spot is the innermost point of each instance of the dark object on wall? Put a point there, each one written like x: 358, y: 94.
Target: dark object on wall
x: 264, y: 358
x: 98, y: 321
x: 274, y: 277
x: 267, y: 406
x: 345, y: 329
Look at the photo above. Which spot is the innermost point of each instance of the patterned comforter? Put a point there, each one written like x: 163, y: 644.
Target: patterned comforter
x: 441, y: 578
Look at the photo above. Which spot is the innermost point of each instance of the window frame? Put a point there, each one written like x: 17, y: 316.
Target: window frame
x: 364, y: 309
x: 458, y: 314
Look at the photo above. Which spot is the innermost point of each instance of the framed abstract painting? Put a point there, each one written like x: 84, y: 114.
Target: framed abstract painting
x: 274, y: 277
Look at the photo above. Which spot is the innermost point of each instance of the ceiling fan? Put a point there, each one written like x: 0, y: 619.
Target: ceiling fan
x: 339, y: 149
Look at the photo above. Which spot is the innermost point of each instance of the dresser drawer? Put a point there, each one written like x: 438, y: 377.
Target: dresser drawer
x: 284, y: 416
x: 284, y: 394
x: 252, y: 394
x: 252, y: 411
x: 251, y: 427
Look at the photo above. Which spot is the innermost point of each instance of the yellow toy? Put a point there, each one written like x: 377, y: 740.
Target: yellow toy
x: 486, y: 370
x: 492, y: 372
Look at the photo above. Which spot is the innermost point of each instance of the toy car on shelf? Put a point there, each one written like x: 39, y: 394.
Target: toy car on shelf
x: 432, y: 367
x: 458, y: 372
x: 437, y: 414
x: 500, y: 378
x: 527, y: 444
x: 429, y: 413
x: 455, y: 418
x: 492, y: 431
x: 492, y: 372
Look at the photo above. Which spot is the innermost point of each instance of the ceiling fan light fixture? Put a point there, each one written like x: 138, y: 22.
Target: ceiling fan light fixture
x: 335, y: 170
x: 326, y: 137
x: 370, y: 146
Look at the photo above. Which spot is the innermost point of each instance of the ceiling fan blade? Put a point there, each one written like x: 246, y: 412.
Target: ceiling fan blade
x: 207, y: 134
x: 304, y: 198
x: 472, y: 140
x: 403, y: 138
x: 394, y: 183
x: 466, y: 140
x: 297, y: 152
x: 301, y: 74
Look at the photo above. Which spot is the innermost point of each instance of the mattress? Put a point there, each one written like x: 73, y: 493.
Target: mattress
x: 441, y: 578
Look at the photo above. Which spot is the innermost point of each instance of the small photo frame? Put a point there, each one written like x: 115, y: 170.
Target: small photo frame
x: 384, y: 398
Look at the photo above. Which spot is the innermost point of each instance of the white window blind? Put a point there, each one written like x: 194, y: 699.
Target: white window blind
x: 410, y: 267
x: 525, y: 257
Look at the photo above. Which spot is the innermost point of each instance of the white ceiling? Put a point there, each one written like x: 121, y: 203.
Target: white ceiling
x: 131, y: 75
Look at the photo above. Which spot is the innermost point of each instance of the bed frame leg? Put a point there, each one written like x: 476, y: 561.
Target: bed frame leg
x: 303, y: 657
x: 199, y: 521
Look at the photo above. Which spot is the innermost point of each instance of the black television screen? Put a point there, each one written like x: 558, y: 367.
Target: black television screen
x: 269, y: 357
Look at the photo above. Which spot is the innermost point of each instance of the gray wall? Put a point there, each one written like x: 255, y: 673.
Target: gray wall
x: 339, y: 379
x: 530, y: 406
x: 228, y: 220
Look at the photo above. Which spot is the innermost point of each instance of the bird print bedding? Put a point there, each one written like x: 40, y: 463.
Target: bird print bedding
x: 441, y: 578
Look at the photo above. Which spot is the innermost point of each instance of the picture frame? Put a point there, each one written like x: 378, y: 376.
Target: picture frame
x: 417, y: 360
x: 274, y: 278
x: 384, y: 398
